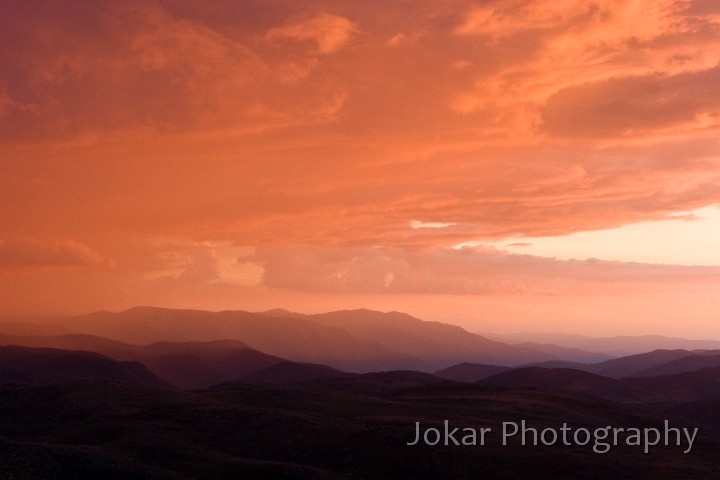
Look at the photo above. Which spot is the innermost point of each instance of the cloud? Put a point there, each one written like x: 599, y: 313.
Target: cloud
x: 633, y: 105
x: 29, y: 253
x: 503, y: 19
x: 583, y: 45
x: 478, y: 270
x: 263, y: 124
x: 143, y: 69
x: 630, y: 19
x: 202, y: 265
x: 419, y: 224
x: 174, y: 135
x: 329, y: 32
x: 186, y: 264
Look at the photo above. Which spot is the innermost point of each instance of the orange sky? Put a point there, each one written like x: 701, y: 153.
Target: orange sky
x: 317, y: 155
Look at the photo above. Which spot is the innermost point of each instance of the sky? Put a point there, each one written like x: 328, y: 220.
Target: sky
x: 503, y: 165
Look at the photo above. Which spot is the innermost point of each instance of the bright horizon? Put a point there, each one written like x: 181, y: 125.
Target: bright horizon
x: 508, y: 166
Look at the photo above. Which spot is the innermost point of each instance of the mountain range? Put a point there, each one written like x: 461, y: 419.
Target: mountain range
x: 206, y: 401
x: 617, y: 346
x: 353, y: 340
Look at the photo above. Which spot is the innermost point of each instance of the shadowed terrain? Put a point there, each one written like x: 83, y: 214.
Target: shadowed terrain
x: 23, y: 365
x: 685, y: 364
x: 94, y: 407
x: 470, y: 372
x: 569, y: 380
x: 259, y: 432
x: 187, y: 365
x: 293, y: 372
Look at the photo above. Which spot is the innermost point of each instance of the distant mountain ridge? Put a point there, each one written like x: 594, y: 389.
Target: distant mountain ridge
x: 352, y: 340
x: 434, y: 342
x: 197, y: 349
x: 684, y: 364
x: 656, y: 362
x: 617, y: 346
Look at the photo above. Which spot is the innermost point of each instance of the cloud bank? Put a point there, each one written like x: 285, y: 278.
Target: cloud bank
x: 336, y: 134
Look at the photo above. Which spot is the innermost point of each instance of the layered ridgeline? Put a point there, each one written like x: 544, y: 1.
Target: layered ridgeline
x: 194, y: 349
x: 227, y: 365
x: 617, y: 346
x: 80, y: 405
x: 70, y: 414
x: 656, y: 362
x: 187, y: 365
x: 32, y: 366
x: 650, y: 364
x: 357, y: 340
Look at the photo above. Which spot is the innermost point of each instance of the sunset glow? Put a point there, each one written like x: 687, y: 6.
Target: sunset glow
x: 505, y: 165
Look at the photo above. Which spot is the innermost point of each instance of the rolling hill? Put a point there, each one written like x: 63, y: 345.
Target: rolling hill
x: 188, y: 365
x: 288, y: 373
x: 569, y: 380
x: 684, y: 364
x: 23, y: 365
x: 470, y: 372
x: 627, y: 366
x: 703, y: 384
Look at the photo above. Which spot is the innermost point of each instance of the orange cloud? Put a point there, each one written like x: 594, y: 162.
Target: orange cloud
x: 28, y: 253
x: 578, y: 45
x: 635, y: 105
x: 329, y: 32
x: 278, y: 124
x: 144, y: 70
x: 475, y: 271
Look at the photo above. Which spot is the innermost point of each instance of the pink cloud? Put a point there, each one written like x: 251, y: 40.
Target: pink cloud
x: 632, y: 105
x: 284, y: 124
x: 479, y: 270
x: 329, y: 32
x: 28, y: 253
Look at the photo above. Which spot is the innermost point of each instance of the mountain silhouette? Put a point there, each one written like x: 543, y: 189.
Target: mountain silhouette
x: 470, y: 372
x: 372, y: 383
x: 703, y: 384
x: 351, y: 340
x: 627, y: 366
x: 290, y: 338
x: 567, y: 353
x: 293, y: 372
x: 202, y: 369
x: 109, y: 407
x: 437, y: 344
x: 617, y: 346
x: 684, y: 364
x: 633, y: 364
x: 569, y: 380
x: 188, y: 365
x: 47, y: 365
